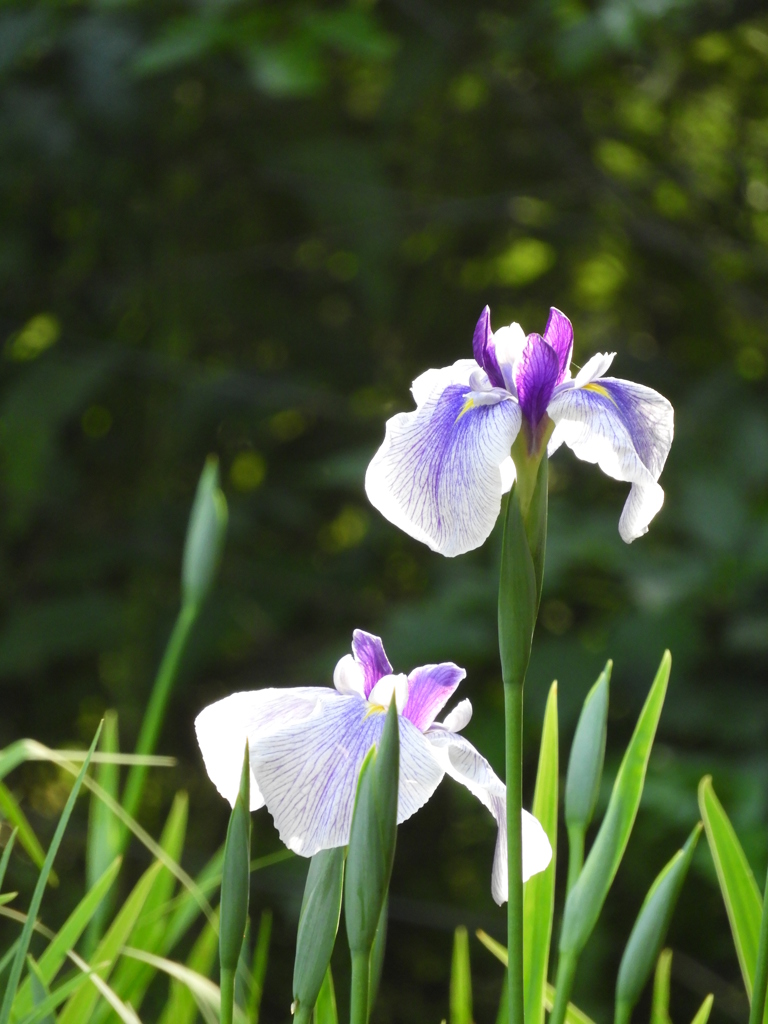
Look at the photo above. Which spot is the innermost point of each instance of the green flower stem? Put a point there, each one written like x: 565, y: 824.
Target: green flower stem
x: 358, y: 1013
x: 227, y: 995
x: 513, y: 715
x: 757, y: 1007
x: 154, y: 716
x: 575, y: 855
x: 566, y: 971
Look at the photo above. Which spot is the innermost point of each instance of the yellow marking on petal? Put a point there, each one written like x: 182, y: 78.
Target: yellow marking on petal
x: 468, y: 404
x: 374, y: 709
x: 599, y: 390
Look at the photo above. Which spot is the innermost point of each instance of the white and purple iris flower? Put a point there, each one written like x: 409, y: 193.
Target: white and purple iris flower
x: 443, y: 468
x: 307, y: 745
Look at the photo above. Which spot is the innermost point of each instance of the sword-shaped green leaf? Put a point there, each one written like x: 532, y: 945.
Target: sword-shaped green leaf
x: 737, y: 883
x: 461, y: 979
x: 539, y: 891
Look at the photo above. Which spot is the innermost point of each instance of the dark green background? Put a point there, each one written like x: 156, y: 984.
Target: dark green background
x: 243, y: 228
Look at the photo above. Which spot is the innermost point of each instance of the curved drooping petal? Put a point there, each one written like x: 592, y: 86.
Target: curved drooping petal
x: 307, y: 772
x: 484, y: 349
x: 461, y: 761
x: 429, y: 689
x: 222, y: 729
x: 536, y: 377
x: 432, y: 381
x: 627, y: 430
x: 371, y: 657
x: 437, y: 474
x: 559, y: 334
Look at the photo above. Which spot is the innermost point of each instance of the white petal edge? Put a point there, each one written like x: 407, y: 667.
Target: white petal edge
x: 459, y: 718
x: 431, y: 380
x: 439, y: 483
x: 222, y: 729
x: 595, y: 433
x: 594, y: 368
x: 466, y: 765
x: 390, y: 686
x: 308, y: 773
x: 349, y: 678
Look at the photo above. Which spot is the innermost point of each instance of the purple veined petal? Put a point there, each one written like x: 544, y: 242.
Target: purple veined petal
x: 484, y: 349
x: 429, y: 689
x: 559, y: 334
x: 466, y: 765
x: 437, y: 475
x: 627, y: 430
x: 308, y: 773
x: 222, y: 729
x: 536, y: 377
x: 370, y: 655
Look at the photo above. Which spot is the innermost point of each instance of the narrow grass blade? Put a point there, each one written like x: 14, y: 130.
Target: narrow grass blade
x: 104, y: 829
x: 502, y: 1016
x: 39, y: 990
x: 37, y: 897
x: 461, y: 979
x: 7, y: 856
x: 661, y: 980
x: 67, y: 937
x: 586, y: 898
x: 131, y: 978
x: 259, y: 968
x: 39, y: 1012
x: 14, y: 815
x: 737, y: 883
x: 539, y: 891
x: 573, y: 1014
x: 204, y: 990
x: 325, y: 1007
x: 650, y: 929
x: 79, y: 1008
x: 181, y: 1006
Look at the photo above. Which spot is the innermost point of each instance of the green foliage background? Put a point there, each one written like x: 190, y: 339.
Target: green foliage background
x: 244, y: 228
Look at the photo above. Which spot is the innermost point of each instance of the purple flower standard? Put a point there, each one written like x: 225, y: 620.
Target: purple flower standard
x: 442, y: 469
x: 307, y: 745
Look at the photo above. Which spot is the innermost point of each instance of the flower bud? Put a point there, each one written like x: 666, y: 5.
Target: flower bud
x: 205, y: 535
x: 585, y: 765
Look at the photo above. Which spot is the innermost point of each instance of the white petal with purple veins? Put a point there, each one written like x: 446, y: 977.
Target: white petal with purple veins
x: 437, y: 474
x: 627, y: 430
x: 466, y: 765
x: 222, y: 729
x: 308, y: 773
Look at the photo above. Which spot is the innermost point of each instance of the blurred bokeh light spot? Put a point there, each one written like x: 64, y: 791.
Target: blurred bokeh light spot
x: 750, y: 362
x: 598, y: 279
x: 342, y: 265
x: 347, y: 530
x: 556, y: 616
x: 670, y: 200
x: 37, y: 335
x: 524, y: 261
x: 621, y: 161
x: 532, y: 212
x: 757, y: 195
x: 712, y: 48
x: 248, y: 471
x: 287, y: 425
x: 96, y: 421
x: 468, y: 92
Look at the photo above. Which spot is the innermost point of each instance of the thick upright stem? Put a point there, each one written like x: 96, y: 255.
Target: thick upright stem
x: 227, y: 981
x: 358, y: 1012
x: 513, y: 714
x: 760, y: 983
